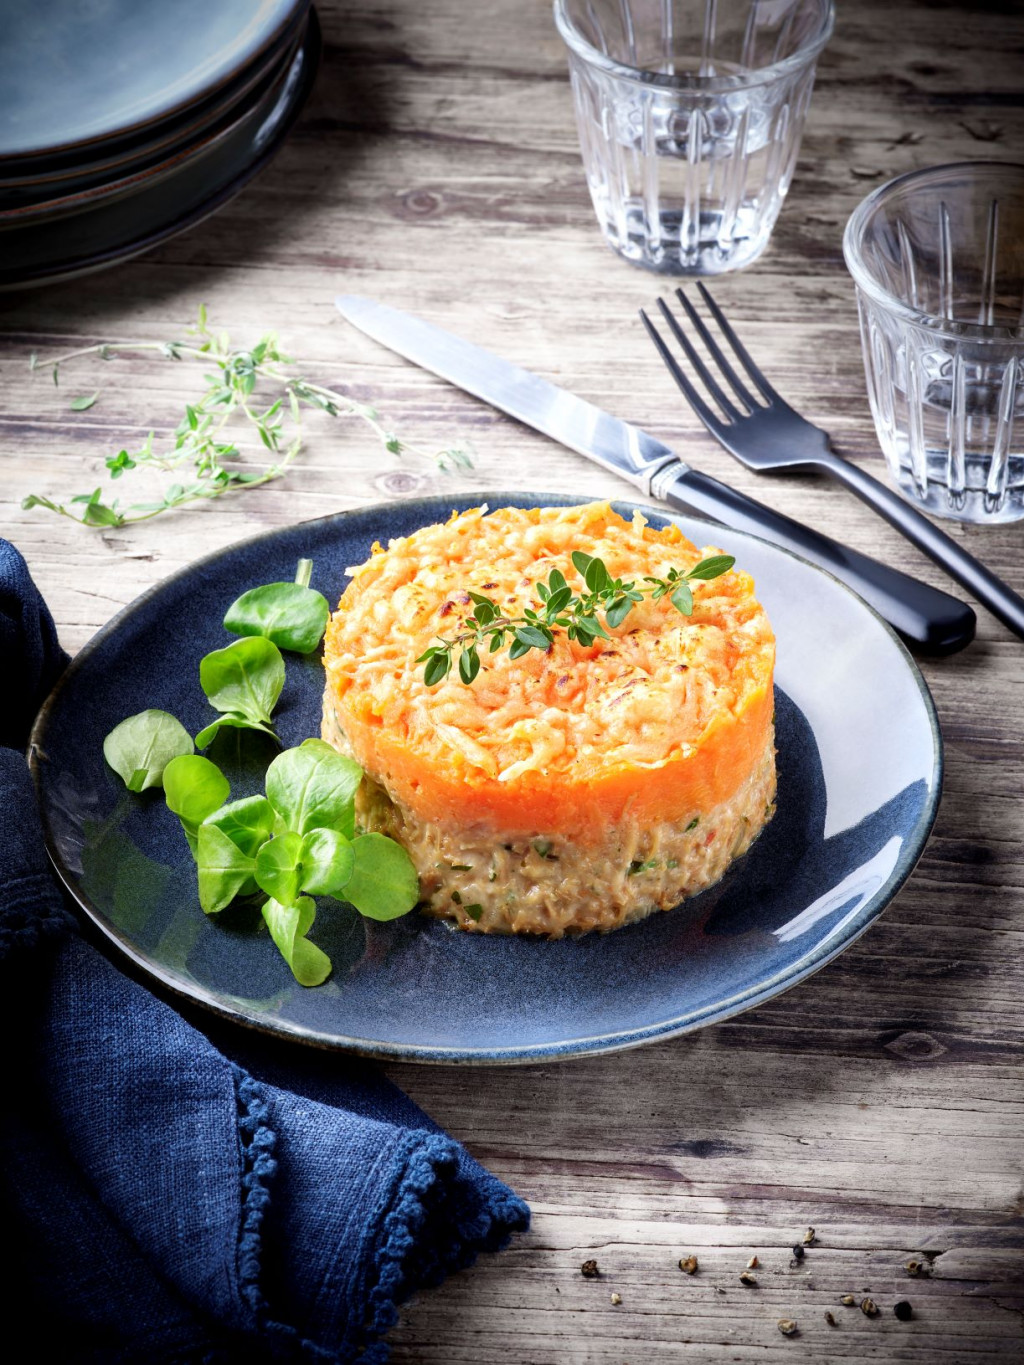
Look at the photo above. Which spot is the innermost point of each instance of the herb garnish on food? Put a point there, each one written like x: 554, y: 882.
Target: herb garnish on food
x: 204, y: 445
x: 577, y: 613
x: 298, y: 840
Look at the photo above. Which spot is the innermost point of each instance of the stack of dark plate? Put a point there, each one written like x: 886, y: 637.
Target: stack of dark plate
x: 123, y: 122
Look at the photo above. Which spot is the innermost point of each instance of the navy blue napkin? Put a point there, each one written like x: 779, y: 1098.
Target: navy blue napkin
x: 175, y: 1190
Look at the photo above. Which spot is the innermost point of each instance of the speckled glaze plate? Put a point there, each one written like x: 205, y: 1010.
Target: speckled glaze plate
x: 860, y: 766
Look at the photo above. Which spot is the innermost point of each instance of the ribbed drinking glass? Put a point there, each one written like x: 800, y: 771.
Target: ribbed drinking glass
x: 938, y: 260
x: 690, y: 114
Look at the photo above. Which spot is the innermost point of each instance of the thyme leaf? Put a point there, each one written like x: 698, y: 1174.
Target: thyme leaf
x: 562, y: 609
x: 202, y: 448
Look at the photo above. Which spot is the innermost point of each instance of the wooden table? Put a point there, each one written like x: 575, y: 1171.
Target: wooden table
x: 436, y: 168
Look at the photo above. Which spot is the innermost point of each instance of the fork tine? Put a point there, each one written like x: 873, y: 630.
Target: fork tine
x: 715, y: 351
x: 738, y: 347
x: 703, y: 373
x: 710, y: 420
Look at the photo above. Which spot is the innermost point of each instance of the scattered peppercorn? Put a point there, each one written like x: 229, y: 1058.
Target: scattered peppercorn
x: 798, y: 1252
x: 616, y: 1299
x: 848, y: 1300
x: 808, y: 1237
x: 829, y: 1318
x: 787, y: 1327
x: 589, y: 1270
x: 903, y: 1310
x: 749, y: 1280
x: 869, y: 1308
x: 689, y: 1265
x: 753, y: 1263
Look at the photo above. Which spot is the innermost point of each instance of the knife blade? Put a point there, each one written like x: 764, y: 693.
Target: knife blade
x: 927, y: 618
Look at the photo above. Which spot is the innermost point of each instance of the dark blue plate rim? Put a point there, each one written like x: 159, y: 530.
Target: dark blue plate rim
x: 432, y: 508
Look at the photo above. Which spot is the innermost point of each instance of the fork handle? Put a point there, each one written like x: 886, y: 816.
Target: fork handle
x: 987, y: 587
x: 929, y: 619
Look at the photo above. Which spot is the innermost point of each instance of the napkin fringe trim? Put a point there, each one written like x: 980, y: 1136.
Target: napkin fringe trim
x: 431, y: 1158
x: 258, y: 1141
x: 428, y: 1157
x: 259, y: 1165
x: 427, y: 1165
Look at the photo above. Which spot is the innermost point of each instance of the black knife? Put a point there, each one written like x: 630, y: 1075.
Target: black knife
x: 930, y: 620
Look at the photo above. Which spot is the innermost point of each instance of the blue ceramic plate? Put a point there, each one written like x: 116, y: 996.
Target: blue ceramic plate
x: 78, y: 74
x: 28, y: 181
x: 859, y: 760
x: 135, y: 214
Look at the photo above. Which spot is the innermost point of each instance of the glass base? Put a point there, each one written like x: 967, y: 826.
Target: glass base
x: 974, y: 504
x: 707, y: 253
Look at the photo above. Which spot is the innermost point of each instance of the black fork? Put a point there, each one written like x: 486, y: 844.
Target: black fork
x: 765, y: 433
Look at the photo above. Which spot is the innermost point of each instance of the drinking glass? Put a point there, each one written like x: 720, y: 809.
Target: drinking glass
x: 938, y: 260
x: 690, y: 114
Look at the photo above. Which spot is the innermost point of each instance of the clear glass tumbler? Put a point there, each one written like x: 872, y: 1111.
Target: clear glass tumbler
x: 938, y: 260
x: 690, y: 114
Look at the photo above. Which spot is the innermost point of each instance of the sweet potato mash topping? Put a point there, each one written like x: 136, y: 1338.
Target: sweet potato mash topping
x: 669, y: 716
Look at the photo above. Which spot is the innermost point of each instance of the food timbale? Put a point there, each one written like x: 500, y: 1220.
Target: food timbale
x: 574, y: 788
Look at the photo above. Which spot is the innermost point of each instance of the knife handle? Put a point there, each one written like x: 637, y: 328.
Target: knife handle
x: 930, y: 620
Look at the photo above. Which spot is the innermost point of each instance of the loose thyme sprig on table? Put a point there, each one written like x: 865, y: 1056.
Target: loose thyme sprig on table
x: 562, y: 609
x: 202, y: 442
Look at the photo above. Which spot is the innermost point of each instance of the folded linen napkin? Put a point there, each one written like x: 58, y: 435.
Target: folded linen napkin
x: 174, y: 1190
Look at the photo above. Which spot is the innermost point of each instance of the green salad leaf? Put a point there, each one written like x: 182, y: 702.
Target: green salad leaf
x: 292, y: 615
x: 327, y: 862
x: 140, y: 748
x: 383, y: 885
x: 193, y: 789
x: 224, y: 868
x: 248, y: 823
x: 313, y: 787
x: 319, y: 862
x: 206, y: 737
x: 289, y: 925
x: 245, y: 679
x: 279, y: 867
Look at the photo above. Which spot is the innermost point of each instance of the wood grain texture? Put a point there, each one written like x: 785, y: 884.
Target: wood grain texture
x: 436, y: 168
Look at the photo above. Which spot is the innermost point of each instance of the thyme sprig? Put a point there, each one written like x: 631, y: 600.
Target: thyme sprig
x: 204, y: 442
x: 562, y: 608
